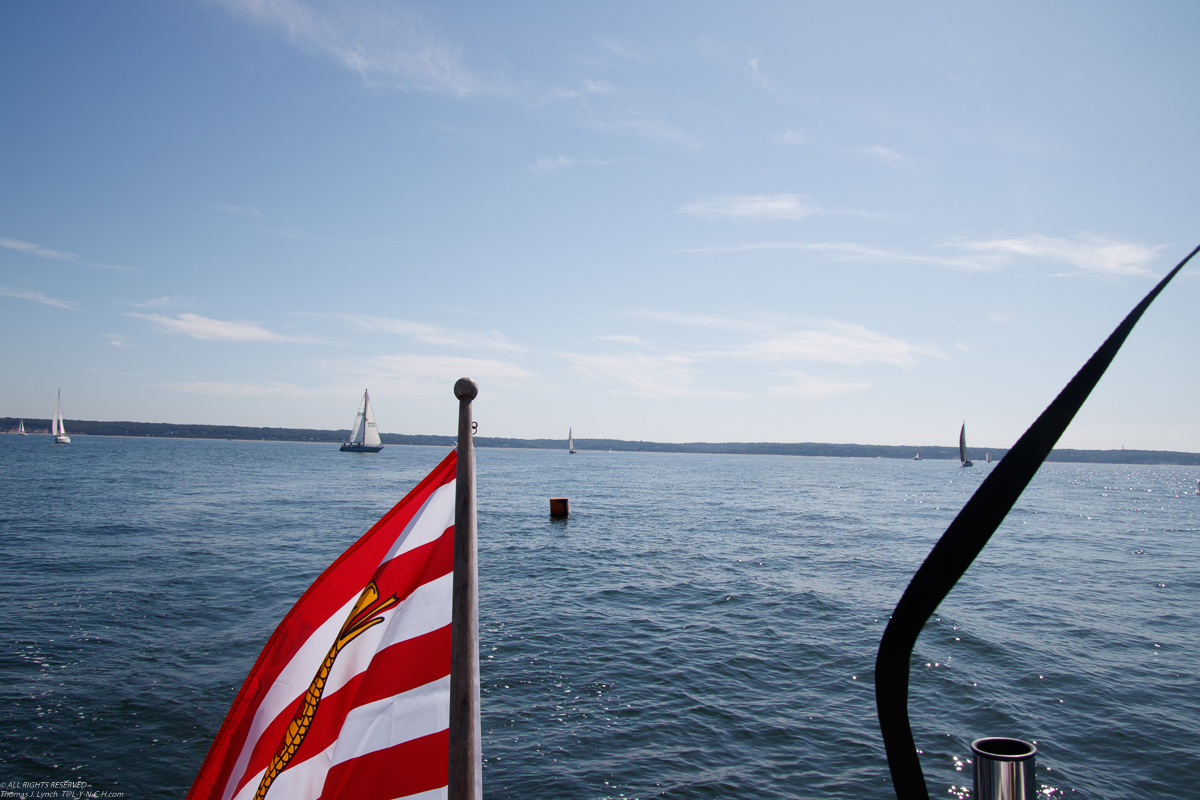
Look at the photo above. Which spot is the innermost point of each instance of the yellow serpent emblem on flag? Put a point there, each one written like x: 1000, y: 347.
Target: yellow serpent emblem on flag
x: 365, y: 615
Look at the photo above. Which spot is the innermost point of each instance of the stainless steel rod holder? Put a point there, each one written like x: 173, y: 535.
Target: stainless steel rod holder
x: 1004, y: 769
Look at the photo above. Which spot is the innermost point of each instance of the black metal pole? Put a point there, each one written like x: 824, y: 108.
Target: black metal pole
x: 963, y: 540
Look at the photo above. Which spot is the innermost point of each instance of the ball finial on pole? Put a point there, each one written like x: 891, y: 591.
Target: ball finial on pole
x: 466, y: 389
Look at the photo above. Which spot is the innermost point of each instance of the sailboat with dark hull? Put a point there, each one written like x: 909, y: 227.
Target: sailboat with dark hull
x: 962, y: 447
x: 571, y: 441
x: 364, y: 435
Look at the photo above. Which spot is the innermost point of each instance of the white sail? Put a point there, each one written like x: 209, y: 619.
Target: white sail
x: 570, y: 440
x: 356, y: 430
x: 56, y: 425
x: 370, y: 433
x: 21, y: 427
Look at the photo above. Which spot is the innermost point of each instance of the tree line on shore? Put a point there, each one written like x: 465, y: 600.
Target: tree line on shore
x: 928, y: 452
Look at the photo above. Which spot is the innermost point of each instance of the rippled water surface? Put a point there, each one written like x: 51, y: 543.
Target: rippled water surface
x: 701, y: 627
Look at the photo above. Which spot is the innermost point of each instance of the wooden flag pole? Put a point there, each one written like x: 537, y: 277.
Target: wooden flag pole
x: 466, y: 756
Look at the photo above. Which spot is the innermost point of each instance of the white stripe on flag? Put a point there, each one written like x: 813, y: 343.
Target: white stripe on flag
x: 428, y: 524
x: 292, y: 682
x: 427, y: 609
x: 374, y: 726
x: 392, y: 720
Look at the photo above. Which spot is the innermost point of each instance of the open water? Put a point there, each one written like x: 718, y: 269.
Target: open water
x: 701, y: 627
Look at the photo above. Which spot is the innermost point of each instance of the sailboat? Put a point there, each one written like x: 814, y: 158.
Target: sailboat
x: 364, y: 435
x: 571, y: 441
x: 962, y: 447
x: 21, y: 428
x: 917, y: 457
x: 56, y: 427
x: 987, y: 456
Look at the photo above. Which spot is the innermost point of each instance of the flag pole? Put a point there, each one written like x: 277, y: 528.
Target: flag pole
x: 466, y: 756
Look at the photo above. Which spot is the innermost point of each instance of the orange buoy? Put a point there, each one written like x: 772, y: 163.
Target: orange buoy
x: 560, y: 507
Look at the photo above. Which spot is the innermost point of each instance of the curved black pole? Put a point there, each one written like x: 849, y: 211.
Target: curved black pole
x: 962, y: 541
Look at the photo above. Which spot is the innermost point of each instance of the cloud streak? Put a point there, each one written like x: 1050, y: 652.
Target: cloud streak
x: 644, y: 370
x: 753, y: 207
x: 834, y: 343
x: 385, y: 45
x: 1086, y: 252
x: 32, y: 249
x: 645, y: 374
x: 29, y: 248
x: 215, y: 330
x: 431, y: 334
x: 219, y: 389
x: 36, y: 298
x: 887, y: 155
x: 547, y: 165
x: 812, y: 387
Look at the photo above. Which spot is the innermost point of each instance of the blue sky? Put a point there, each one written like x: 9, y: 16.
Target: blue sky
x: 672, y: 221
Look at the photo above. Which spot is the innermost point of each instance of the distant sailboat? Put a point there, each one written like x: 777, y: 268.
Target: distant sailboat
x: 917, y: 457
x: 56, y: 426
x: 987, y: 456
x: 962, y: 447
x: 364, y: 435
x: 21, y: 428
x: 571, y: 441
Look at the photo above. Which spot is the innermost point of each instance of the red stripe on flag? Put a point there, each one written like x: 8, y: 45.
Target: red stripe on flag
x: 411, y: 767
x: 396, y: 669
x: 337, y: 585
x: 401, y: 576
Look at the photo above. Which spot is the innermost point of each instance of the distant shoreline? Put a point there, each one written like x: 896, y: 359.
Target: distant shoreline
x: 164, y: 430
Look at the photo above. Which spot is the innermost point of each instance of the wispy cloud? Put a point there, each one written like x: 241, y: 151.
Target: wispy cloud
x: 240, y: 211
x: 794, y: 138
x: 812, y: 387
x: 562, y: 162
x: 157, y: 302
x: 766, y: 82
x: 432, y: 334
x: 1086, y: 252
x: 887, y: 155
x: 753, y: 206
x: 832, y: 342
x: 551, y: 164
x: 715, y: 321
x: 784, y: 339
x: 384, y: 44
x: 29, y: 248
x: 642, y: 123
x: 587, y: 88
x: 36, y: 298
x: 216, y: 330
x: 645, y: 374
x: 856, y: 252
x: 627, y: 50
x: 643, y: 369
x: 32, y: 249
x: 425, y: 376
x: 218, y: 389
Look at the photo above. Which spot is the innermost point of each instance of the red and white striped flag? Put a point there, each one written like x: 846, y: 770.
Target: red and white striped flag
x: 351, y: 695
